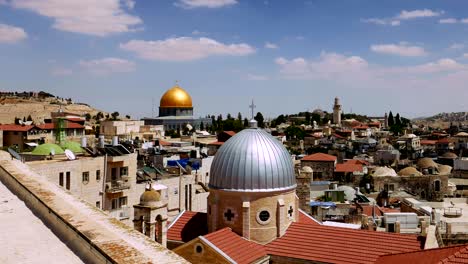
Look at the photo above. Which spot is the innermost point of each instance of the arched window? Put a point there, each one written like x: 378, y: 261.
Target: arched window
x: 437, y: 185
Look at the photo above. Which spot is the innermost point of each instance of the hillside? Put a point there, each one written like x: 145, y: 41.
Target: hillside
x: 39, y: 106
x: 443, y: 120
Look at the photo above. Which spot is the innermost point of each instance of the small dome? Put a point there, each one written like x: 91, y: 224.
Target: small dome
x: 409, y: 171
x: 176, y: 97
x: 307, y: 169
x: 384, y: 171
x: 150, y: 197
x: 462, y: 134
x: 444, y: 169
x: 47, y: 149
x: 449, y: 155
x: 72, y: 146
x: 425, y: 163
x: 251, y: 161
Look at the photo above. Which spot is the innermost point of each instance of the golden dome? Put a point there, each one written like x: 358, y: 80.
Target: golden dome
x: 176, y: 97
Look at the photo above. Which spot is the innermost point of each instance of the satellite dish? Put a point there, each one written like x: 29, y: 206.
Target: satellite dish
x: 69, y: 154
x: 14, y: 154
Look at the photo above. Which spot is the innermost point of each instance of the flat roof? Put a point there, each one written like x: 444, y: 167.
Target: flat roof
x: 25, y: 238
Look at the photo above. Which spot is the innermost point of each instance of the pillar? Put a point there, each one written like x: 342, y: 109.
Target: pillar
x: 397, y: 227
x: 423, y: 228
x: 150, y: 229
x: 138, y: 225
x: 162, y: 234
x: 246, y: 220
x: 280, y: 218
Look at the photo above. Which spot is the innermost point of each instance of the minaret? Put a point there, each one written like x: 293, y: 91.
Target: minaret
x: 386, y: 121
x: 337, y: 112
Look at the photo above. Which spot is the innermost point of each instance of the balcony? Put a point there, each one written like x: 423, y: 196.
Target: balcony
x: 117, y: 186
x: 121, y: 214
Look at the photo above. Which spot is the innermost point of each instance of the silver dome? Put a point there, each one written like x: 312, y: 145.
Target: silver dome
x: 252, y: 161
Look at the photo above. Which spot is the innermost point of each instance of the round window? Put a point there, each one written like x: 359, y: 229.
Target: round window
x: 199, y: 249
x: 264, y: 216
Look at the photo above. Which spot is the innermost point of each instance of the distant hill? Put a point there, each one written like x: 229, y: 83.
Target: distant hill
x: 446, y: 117
x: 39, y: 105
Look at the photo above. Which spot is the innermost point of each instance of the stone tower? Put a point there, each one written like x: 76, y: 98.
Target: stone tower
x: 386, y: 121
x: 303, y: 180
x: 150, y: 216
x: 337, y: 112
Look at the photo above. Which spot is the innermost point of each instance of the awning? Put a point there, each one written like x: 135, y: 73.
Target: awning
x: 324, y: 204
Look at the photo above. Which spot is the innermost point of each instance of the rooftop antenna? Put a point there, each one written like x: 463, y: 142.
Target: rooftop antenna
x: 252, y: 106
x: 152, y: 106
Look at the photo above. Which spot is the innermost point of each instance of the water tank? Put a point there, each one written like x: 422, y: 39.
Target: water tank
x: 101, y: 141
x: 84, y: 142
x: 115, y: 141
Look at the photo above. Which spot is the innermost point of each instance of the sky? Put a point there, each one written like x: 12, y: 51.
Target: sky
x: 405, y: 56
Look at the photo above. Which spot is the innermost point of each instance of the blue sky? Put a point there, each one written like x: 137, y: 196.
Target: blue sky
x: 406, y: 56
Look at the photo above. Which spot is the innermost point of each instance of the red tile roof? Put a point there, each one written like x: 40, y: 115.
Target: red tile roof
x: 164, y: 143
x: 443, y: 141
x: 454, y: 254
x: 428, y: 142
x: 50, y: 126
x: 319, y: 157
x: 348, y: 167
x: 361, y: 127
x: 188, y: 226
x: 13, y: 127
x: 236, y: 247
x: 307, y: 219
x: 356, y: 161
x: 231, y: 133
x: 339, y: 245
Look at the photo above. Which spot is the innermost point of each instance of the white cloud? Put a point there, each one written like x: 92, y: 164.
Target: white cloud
x: 11, y: 34
x: 381, y: 21
x: 457, y: 46
x: 107, y: 65
x: 269, y: 45
x: 59, y: 71
x: 185, y: 49
x: 130, y: 4
x: 98, y: 18
x: 448, y: 21
x: 464, y: 20
x: 327, y: 66
x: 405, y: 15
x: 254, y: 77
x: 401, y: 49
x: 198, y: 33
x: 204, y: 3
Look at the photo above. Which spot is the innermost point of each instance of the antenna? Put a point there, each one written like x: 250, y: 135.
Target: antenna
x: 152, y: 106
x: 252, y: 106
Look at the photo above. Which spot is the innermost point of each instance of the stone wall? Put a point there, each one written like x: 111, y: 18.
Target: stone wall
x: 325, y: 168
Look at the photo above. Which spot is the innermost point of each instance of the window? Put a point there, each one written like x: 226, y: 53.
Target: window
x: 61, y: 179
x: 317, y: 174
x: 263, y: 216
x: 115, y: 204
x: 124, y: 171
x: 114, y: 174
x: 122, y: 201
x: 98, y: 175
x: 85, y: 177
x: 437, y: 186
x: 198, y: 248
x: 229, y: 215
x: 98, y: 204
x: 68, y: 180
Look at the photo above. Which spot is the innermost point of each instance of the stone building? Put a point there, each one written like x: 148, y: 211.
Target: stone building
x: 176, y: 111
x: 106, y: 181
x: 322, y: 165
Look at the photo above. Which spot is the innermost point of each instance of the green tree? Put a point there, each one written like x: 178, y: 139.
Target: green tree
x: 391, y: 120
x: 115, y: 115
x: 259, y: 118
x: 246, y: 122
x: 202, y: 126
x: 398, y: 120
x: 128, y: 116
x: 239, y: 117
x: 294, y: 132
x: 88, y: 116
x: 307, y: 118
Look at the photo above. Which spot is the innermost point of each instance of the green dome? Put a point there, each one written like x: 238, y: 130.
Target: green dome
x: 72, y: 146
x: 46, y: 149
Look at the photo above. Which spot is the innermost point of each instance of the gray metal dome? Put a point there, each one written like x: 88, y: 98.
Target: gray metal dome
x: 252, y: 161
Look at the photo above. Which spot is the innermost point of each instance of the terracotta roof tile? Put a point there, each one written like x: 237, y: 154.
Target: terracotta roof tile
x: 188, y: 226
x: 239, y: 249
x: 339, y: 245
x: 348, y: 167
x: 13, y: 127
x: 49, y: 126
x: 231, y: 133
x: 428, y: 142
x: 307, y: 219
x: 319, y: 157
x: 454, y: 254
